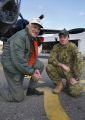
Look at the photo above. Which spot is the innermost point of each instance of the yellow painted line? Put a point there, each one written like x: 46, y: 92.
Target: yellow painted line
x: 82, y: 81
x: 28, y: 77
x: 53, y: 107
x: 41, y: 81
x: 84, y: 88
x: 43, y: 88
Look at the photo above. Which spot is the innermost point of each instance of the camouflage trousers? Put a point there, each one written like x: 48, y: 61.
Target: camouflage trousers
x: 57, y: 74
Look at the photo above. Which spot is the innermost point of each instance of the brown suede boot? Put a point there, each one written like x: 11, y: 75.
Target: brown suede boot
x: 58, y: 88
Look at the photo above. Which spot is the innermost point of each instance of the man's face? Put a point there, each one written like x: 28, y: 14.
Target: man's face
x: 63, y: 39
x: 34, y: 30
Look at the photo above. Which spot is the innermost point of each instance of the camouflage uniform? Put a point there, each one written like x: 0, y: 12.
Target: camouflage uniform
x: 70, y: 56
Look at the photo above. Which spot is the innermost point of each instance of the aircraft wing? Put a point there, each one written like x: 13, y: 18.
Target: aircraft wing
x: 71, y: 31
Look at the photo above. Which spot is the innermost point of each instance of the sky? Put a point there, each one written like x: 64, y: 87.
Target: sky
x: 58, y: 14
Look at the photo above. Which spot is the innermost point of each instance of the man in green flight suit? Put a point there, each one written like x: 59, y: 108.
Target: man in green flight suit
x: 20, y: 58
x: 66, y: 62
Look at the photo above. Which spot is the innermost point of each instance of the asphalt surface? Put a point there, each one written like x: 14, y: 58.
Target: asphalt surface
x: 75, y: 107
x: 32, y: 108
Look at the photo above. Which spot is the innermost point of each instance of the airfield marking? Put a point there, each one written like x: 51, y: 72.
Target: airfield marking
x: 53, y: 107
x: 82, y: 81
x: 28, y: 76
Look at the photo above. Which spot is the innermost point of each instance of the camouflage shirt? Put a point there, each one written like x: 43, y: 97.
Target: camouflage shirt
x: 68, y: 55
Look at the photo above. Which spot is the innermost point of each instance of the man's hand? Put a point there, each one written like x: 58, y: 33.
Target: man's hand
x: 36, y: 76
x: 65, y: 67
x: 73, y: 81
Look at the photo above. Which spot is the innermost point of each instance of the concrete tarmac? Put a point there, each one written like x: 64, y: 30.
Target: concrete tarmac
x: 32, y: 108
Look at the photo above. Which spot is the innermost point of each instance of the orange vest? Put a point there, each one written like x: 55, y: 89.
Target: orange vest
x: 34, y: 55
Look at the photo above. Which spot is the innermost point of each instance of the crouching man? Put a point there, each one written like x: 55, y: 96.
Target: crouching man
x: 19, y: 58
x: 66, y: 62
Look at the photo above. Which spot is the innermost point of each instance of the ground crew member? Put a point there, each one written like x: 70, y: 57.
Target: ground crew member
x: 19, y: 58
x: 66, y: 62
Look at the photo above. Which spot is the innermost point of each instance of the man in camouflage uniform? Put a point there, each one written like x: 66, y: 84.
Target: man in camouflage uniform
x: 66, y: 62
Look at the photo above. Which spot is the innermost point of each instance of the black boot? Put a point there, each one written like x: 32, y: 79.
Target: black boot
x: 33, y: 91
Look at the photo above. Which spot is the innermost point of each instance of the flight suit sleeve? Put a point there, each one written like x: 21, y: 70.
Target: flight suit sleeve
x: 78, y: 64
x: 53, y: 57
x: 17, y: 51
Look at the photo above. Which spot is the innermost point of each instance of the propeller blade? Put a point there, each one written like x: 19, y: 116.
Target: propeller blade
x: 76, y: 30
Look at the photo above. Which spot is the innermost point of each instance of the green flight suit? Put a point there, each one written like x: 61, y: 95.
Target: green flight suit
x: 17, y: 52
x: 70, y: 56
